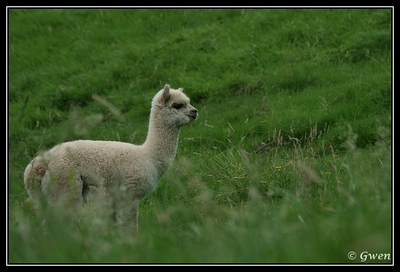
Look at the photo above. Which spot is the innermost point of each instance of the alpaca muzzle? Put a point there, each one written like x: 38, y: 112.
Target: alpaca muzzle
x: 193, y: 114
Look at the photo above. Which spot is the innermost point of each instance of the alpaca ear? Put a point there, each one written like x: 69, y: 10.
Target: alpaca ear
x: 180, y: 89
x: 166, y: 95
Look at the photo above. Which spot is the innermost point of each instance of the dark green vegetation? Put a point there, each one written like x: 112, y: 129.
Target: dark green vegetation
x: 289, y: 161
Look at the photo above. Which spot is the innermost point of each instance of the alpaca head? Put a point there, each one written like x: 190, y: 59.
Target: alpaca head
x: 173, y: 107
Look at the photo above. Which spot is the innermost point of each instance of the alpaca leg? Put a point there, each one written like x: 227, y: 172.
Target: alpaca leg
x: 57, y: 197
x: 64, y: 192
x: 135, y: 215
x: 127, y: 215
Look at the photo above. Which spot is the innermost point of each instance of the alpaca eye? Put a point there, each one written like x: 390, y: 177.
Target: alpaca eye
x: 177, y: 106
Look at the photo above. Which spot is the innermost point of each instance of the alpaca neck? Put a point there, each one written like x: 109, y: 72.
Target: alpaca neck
x: 161, y: 144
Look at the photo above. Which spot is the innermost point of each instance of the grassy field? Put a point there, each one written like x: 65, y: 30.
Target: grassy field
x: 290, y: 160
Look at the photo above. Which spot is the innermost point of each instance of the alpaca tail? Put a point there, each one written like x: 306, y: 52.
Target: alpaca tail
x: 33, y: 176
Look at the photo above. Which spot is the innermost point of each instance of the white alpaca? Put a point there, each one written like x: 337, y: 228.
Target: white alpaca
x: 125, y: 172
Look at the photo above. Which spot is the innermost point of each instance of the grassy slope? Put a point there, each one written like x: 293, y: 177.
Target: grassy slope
x: 288, y: 162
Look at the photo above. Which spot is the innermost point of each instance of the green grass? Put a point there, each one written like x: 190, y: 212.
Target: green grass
x: 289, y: 161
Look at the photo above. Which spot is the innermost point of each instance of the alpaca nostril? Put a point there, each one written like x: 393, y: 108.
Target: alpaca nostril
x: 193, y: 114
